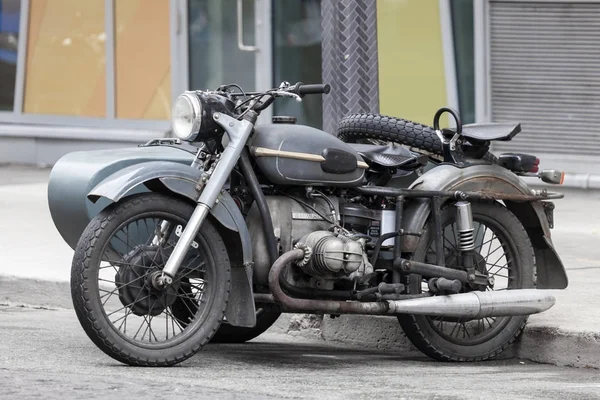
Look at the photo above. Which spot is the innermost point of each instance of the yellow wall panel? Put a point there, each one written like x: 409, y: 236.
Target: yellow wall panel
x: 142, y: 59
x: 411, y: 63
x: 65, y: 71
x: 160, y: 105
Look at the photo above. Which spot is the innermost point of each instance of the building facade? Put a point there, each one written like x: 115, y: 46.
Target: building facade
x: 103, y: 73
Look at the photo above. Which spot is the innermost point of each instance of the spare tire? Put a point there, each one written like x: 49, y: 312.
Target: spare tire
x: 356, y: 127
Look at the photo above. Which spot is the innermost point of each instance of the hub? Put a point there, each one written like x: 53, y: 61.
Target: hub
x: 138, y: 283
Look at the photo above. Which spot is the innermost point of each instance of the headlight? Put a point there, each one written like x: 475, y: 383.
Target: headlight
x: 186, y: 117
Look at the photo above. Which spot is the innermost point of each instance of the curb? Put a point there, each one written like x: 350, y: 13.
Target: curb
x: 34, y: 293
x: 540, y: 344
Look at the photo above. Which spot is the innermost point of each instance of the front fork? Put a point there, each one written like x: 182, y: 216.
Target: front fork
x: 239, y: 133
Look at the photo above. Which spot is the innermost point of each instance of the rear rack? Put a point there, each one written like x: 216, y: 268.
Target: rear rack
x: 437, y: 198
x: 537, y: 195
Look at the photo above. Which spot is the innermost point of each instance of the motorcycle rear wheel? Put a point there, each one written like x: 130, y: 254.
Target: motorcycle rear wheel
x: 113, y: 268
x: 452, y: 339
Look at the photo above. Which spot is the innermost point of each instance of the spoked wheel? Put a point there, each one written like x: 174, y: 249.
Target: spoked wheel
x: 118, y: 301
x: 266, y: 316
x: 503, y: 252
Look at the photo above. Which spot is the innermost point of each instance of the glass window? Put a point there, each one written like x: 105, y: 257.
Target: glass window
x: 142, y: 59
x: 297, y: 56
x: 9, y: 38
x: 462, y: 27
x: 214, y: 56
x: 66, y: 64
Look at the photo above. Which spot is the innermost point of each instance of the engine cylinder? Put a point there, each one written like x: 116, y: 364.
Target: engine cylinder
x: 331, y: 255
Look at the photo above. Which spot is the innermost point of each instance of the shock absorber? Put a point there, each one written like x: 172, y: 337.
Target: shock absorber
x: 466, y: 236
x: 464, y: 222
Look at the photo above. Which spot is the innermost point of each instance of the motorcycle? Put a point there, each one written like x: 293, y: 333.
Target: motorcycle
x: 209, y: 236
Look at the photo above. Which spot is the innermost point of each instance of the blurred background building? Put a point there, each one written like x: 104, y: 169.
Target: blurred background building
x: 103, y: 73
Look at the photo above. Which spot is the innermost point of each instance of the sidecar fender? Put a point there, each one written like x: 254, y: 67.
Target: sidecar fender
x: 551, y: 273
x: 83, y: 184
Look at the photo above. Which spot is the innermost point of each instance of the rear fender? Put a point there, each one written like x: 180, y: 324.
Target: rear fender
x: 551, y: 273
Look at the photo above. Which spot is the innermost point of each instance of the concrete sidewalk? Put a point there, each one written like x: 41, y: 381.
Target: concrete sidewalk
x: 35, y: 269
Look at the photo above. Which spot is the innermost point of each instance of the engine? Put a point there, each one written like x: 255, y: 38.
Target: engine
x: 331, y: 256
x: 370, y: 221
x: 337, y: 254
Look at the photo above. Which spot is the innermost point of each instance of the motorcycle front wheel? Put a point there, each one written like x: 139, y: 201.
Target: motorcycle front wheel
x: 504, y: 252
x: 116, y: 263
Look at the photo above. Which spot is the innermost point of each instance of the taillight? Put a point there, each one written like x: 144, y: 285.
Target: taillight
x: 536, y: 166
x: 519, y: 163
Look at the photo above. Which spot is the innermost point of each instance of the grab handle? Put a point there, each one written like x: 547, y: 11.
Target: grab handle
x: 451, y: 111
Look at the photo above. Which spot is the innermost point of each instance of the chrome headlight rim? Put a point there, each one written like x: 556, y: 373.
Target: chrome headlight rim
x: 196, y: 117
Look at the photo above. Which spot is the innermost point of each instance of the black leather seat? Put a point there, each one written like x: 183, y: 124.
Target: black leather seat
x: 388, y: 156
x: 502, y: 131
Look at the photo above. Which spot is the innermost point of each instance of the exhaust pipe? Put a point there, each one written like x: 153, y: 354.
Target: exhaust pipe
x: 476, y: 305
x: 472, y: 305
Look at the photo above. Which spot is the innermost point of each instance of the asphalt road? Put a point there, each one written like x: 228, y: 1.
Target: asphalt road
x: 45, y: 354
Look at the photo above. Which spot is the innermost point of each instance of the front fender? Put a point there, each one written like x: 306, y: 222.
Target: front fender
x: 551, y: 273
x: 175, y: 178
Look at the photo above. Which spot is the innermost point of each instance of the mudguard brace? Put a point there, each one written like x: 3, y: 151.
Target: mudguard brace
x: 551, y: 273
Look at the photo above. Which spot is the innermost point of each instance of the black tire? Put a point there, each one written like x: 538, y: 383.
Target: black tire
x: 422, y: 330
x: 99, y: 235
x: 356, y: 127
x: 266, y: 316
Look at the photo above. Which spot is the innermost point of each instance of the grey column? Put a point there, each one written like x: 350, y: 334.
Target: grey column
x: 349, y: 59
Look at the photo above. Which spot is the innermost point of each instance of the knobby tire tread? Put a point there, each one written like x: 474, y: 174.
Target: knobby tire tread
x: 356, y: 127
x: 375, y: 126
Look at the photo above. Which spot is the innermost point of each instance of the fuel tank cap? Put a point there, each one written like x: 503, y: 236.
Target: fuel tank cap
x: 279, y: 119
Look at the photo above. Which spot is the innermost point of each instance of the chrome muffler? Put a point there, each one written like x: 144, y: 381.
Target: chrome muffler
x: 472, y: 305
x: 475, y: 305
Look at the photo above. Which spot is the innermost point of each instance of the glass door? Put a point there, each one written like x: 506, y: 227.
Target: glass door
x: 297, y: 55
x: 215, y: 56
x: 221, y: 41
x: 254, y: 43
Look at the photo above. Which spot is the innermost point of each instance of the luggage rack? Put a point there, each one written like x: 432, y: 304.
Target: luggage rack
x: 537, y: 195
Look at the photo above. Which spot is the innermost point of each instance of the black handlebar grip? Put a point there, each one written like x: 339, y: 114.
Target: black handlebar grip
x: 316, y: 88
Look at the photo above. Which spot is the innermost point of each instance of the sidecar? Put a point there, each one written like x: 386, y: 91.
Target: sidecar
x: 76, y: 175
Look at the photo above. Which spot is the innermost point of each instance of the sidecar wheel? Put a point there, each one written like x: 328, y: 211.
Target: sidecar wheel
x: 266, y: 316
x: 114, y: 271
x: 504, y: 251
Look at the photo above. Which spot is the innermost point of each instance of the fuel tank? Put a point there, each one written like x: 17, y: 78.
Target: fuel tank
x: 289, y: 154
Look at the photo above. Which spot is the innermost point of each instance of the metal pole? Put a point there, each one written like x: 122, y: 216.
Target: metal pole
x: 398, y: 241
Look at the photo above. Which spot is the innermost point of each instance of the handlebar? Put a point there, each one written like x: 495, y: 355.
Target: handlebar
x: 256, y: 100
x: 315, y: 88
